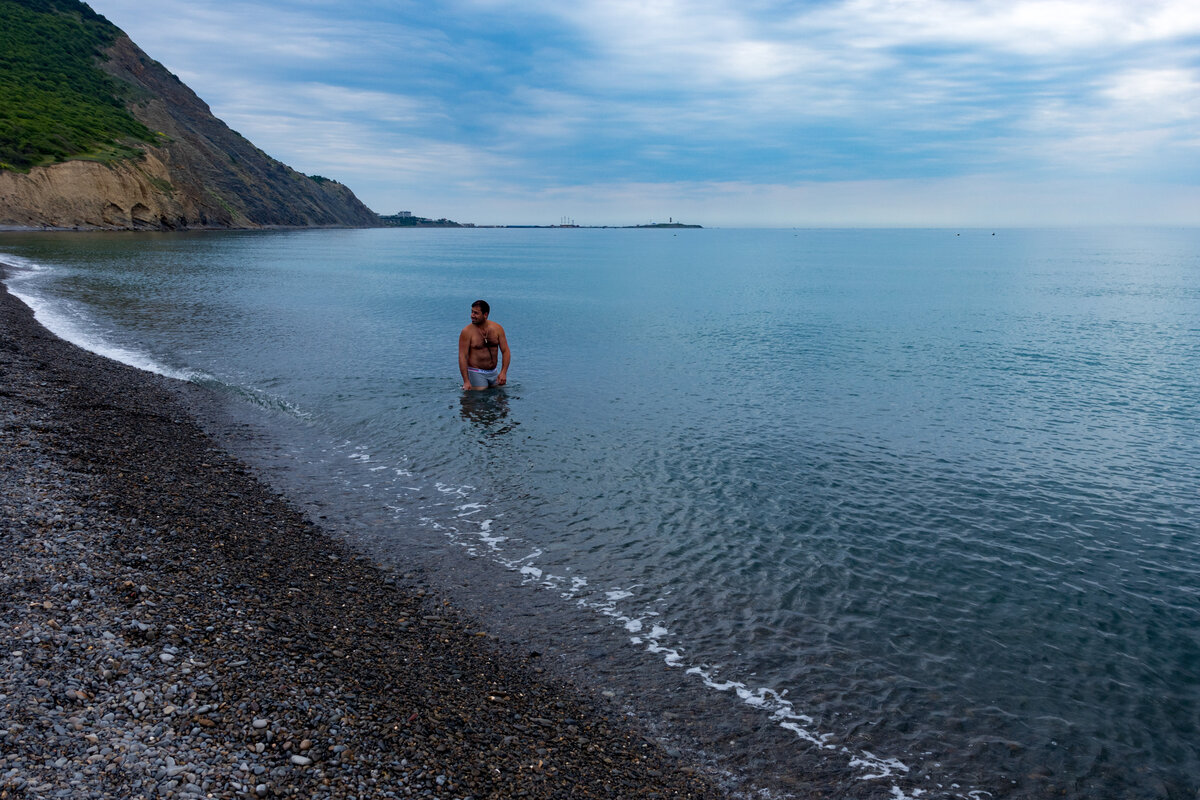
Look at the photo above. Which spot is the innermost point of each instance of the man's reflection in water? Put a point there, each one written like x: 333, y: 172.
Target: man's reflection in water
x: 488, y: 410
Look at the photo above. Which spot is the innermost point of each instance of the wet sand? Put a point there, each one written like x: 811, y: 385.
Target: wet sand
x: 173, y: 627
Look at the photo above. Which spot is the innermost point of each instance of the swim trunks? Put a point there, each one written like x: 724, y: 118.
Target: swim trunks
x: 483, y: 377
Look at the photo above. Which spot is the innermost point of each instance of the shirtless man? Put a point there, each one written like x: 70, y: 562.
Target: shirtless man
x: 477, y: 351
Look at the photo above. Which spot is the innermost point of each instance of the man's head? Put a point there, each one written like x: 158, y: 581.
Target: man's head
x: 479, y: 311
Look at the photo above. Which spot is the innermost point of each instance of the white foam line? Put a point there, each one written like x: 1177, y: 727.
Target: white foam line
x: 782, y: 711
x: 66, y: 323
x: 492, y: 541
x: 71, y: 321
x: 876, y: 766
x: 21, y: 263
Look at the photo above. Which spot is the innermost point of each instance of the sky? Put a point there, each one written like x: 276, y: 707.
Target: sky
x: 724, y: 113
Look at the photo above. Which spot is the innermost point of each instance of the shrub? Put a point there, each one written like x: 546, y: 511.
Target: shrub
x: 55, y: 102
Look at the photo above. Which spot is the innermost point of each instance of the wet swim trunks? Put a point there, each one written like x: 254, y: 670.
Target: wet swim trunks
x: 483, y: 377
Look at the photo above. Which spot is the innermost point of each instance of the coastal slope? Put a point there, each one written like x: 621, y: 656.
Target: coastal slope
x: 185, y: 169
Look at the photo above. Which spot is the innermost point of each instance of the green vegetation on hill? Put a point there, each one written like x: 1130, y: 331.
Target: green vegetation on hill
x: 409, y: 221
x: 55, y: 102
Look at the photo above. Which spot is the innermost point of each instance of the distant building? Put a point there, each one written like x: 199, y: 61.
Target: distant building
x: 403, y: 214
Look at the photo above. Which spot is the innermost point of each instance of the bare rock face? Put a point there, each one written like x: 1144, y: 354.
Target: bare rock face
x: 86, y: 194
x: 206, y: 176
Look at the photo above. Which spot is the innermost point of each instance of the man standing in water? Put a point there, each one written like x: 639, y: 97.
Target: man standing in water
x: 478, y: 346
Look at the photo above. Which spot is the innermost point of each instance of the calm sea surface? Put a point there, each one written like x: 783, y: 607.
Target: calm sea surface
x: 920, y: 509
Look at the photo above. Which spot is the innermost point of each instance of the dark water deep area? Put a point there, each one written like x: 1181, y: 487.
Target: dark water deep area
x: 913, y: 511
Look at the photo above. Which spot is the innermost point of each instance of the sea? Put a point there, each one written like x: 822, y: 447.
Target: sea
x: 853, y: 513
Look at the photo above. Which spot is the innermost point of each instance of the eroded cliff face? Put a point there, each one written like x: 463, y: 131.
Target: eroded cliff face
x: 84, y: 194
x: 207, y: 176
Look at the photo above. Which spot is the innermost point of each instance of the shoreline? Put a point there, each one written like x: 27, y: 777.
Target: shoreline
x: 174, y: 627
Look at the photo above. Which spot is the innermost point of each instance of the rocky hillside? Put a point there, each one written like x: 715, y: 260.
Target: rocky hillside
x: 192, y: 171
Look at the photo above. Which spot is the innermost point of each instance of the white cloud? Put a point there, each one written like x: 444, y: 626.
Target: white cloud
x: 1014, y: 26
x: 882, y: 65
x: 1138, y: 120
x: 714, y: 42
x: 1155, y: 96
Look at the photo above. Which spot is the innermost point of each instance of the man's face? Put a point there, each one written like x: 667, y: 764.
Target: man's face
x: 477, y: 316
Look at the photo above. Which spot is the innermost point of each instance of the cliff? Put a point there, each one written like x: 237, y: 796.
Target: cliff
x: 195, y: 173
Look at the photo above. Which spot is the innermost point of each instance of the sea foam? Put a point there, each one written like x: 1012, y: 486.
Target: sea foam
x: 68, y: 321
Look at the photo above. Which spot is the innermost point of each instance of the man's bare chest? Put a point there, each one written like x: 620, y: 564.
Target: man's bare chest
x: 484, y: 339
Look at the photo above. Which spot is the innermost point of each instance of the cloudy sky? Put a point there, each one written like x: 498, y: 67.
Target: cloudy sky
x: 719, y: 112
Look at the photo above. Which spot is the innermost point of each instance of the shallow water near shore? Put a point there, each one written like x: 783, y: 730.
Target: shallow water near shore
x: 922, y: 503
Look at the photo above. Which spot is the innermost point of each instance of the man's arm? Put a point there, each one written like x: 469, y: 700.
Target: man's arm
x: 464, y: 343
x: 506, y: 359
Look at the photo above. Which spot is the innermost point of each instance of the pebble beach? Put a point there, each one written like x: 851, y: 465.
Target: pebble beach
x: 172, y: 627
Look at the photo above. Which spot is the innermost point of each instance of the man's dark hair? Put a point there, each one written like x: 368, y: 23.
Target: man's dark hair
x: 482, y: 306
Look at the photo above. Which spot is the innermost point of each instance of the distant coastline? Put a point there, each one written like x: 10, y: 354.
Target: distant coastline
x: 406, y: 219
x: 387, y: 222
x: 651, y: 225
